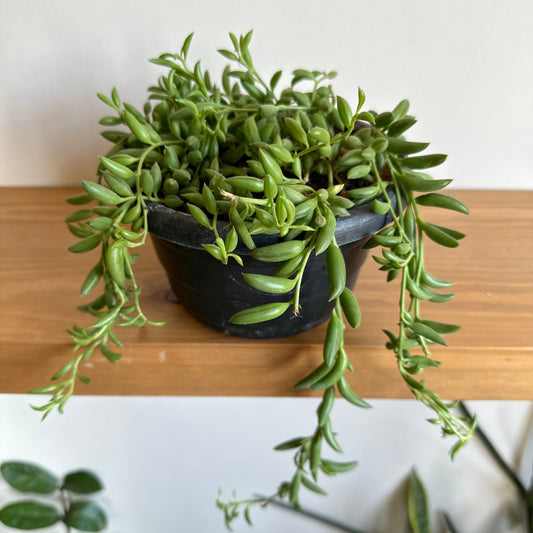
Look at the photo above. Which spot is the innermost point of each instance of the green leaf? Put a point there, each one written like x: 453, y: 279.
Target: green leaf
x: 333, y: 339
x: 326, y: 233
x: 186, y: 45
x: 350, y: 307
x: 92, y: 279
x: 199, y: 215
x: 296, y: 131
x: 439, y: 236
x: 360, y: 171
x: 271, y: 166
x: 101, y: 193
x: 441, y: 327
x: 87, y: 244
x: 345, y: 112
x: 114, y: 260
x: 85, y: 516
x: 380, y: 207
x: 79, y: 199
x: 401, y: 126
x: 443, y: 201
x: 424, y: 161
x: 260, y: 313
x: 307, y: 483
x: 400, y: 147
x: 401, y: 110
x: 418, y: 183
x: 336, y: 271
x: 82, y: 482
x: 118, y: 185
x: 417, y: 505
x: 336, y: 467
x: 109, y: 354
x: 426, y: 331
x: 78, y: 216
x: 28, y: 477
x: 29, y: 515
x: 246, y: 183
x: 279, y: 252
x: 290, y: 444
x: 116, y: 168
x: 269, y: 284
x: 348, y: 394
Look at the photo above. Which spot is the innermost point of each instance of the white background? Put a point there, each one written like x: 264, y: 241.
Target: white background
x: 466, y: 67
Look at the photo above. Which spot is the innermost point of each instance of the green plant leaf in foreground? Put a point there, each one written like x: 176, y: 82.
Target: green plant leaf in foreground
x: 82, y: 482
x: 85, y: 516
x: 29, y: 515
x: 28, y: 477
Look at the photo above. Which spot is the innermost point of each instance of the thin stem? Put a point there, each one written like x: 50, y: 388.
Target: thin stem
x: 315, y: 516
x: 507, y: 470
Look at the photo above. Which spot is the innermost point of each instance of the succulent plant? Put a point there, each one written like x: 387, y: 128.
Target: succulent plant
x: 267, y: 160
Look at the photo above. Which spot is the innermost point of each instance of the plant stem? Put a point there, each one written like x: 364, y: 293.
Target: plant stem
x: 315, y: 516
x: 506, y: 469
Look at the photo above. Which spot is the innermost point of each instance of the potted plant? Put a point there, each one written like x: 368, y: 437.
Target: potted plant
x: 275, y: 183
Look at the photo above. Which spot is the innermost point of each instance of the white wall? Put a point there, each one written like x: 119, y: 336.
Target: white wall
x: 467, y: 69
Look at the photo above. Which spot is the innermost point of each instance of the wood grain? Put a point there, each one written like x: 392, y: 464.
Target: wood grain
x: 490, y: 358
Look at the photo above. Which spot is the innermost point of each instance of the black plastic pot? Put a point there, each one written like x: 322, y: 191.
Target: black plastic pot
x: 212, y: 292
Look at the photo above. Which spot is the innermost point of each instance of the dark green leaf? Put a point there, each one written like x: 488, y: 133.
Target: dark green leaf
x: 28, y: 477
x: 417, y: 183
x: 426, y: 331
x: 82, y: 482
x: 336, y: 271
x: 114, y: 260
x: 199, y: 215
x: 109, y: 354
x: 439, y: 236
x: 85, y: 516
x: 118, y: 185
x: 443, y: 201
x: 424, y: 161
x: 29, y: 515
x: 290, y: 444
x: 92, y: 279
x: 350, y: 308
x: 400, y: 147
x: 260, y: 313
x: 79, y: 199
x: 77, y: 216
x: 87, y: 244
x: 269, y: 284
x: 326, y: 232
x: 279, y: 252
x: 337, y: 467
x: 348, y: 394
x: 116, y: 168
x: 333, y: 339
x: 101, y: 193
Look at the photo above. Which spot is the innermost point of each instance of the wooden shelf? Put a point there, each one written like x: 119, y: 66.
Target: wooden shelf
x: 490, y: 358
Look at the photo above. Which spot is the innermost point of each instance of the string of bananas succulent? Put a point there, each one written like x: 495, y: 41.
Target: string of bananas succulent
x: 268, y: 161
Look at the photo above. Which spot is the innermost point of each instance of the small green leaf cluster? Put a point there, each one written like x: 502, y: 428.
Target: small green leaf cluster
x: 74, y: 512
x: 275, y: 161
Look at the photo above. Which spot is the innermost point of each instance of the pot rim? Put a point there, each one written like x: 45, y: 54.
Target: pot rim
x: 182, y: 229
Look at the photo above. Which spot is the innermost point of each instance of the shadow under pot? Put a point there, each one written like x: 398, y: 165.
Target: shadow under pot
x: 212, y: 292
